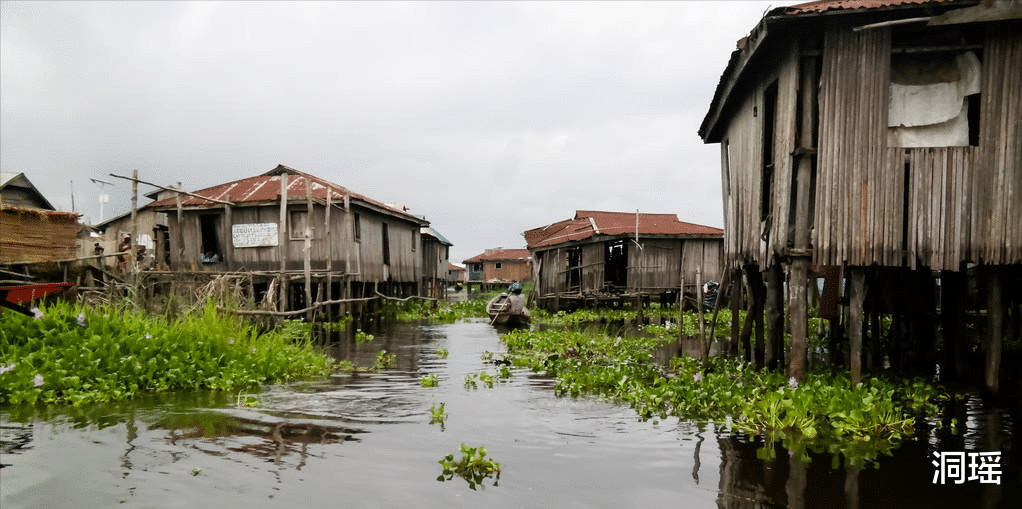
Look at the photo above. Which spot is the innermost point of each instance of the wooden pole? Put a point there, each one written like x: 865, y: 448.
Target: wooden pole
x: 132, y: 260
x: 995, y: 338
x: 775, y: 317
x: 180, y: 231
x: 308, y: 246
x: 736, y: 306
x: 856, y: 297
x: 801, y: 253
x: 699, y: 308
x: 329, y: 255
x: 282, y: 236
x: 349, y: 232
x: 228, y: 236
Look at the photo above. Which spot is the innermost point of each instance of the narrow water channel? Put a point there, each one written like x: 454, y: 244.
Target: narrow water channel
x: 365, y: 441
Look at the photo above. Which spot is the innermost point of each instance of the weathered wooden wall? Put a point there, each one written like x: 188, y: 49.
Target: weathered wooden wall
x: 961, y: 204
x: 656, y: 267
x: 364, y: 255
x: 751, y: 237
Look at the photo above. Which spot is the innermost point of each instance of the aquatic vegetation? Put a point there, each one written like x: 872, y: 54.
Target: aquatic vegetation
x: 824, y: 411
x: 384, y: 360
x: 120, y: 353
x: 441, y: 312
x: 363, y: 337
x: 472, y: 380
x: 429, y: 380
x: 441, y: 353
x: 473, y: 466
x: 437, y: 414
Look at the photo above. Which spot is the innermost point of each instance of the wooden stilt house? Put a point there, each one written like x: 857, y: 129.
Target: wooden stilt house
x: 879, y: 139
x: 606, y: 254
x: 287, y: 224
x: 436, y: 253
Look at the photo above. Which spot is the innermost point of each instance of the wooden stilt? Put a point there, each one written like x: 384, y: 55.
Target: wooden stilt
x: 995, y: 337
x: 775, y: 317
x: 857, y: 295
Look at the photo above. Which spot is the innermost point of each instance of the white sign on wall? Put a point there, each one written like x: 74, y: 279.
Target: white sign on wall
x: 254, y: 235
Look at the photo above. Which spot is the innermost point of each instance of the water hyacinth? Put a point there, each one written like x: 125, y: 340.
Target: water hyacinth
x: 792, y: 383
x: 37, y: 313
x: 122, y: 353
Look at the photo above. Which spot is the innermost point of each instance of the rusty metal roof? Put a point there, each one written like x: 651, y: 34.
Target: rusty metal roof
x: 845, y: 5
x: 265, y: 188
x: 590, y: 223
x: 501, y: 255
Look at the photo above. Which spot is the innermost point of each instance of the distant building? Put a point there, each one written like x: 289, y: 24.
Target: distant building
x: 456, y: 273
x: 622, y: 252
x: 435, y: 261
x: 499, y: 266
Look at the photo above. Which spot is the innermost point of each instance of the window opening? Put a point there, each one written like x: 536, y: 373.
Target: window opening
x: 209, y: 226
x: 769, y: 108
x: 574, y: 274
x: 357, y: 226
x: 386, y: 244
x: 615, y: 267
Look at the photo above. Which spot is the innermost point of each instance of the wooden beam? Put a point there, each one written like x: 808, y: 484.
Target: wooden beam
x: 214, y: 200
x: 282, y: 238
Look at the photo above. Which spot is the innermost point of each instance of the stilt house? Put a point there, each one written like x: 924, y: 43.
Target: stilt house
x: 881, y: 137
x: 499, y: 266
x: 607, y: 253
x: 288, y: 222
x: 435, y: 261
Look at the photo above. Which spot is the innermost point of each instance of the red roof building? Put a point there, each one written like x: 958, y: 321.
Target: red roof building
x: 599, y: 252
x: 499, y: 266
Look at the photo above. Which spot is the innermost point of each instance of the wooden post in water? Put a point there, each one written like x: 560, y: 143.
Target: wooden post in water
x: 180, y: 230
x: 775, y: 317
x: 857, y: 295
x: 736, y: 306
x: 699, y: 308
x: 329, y: 255
x: 282, y: 236
x: 995, y: 337
x: 228, y: 235
x: 801, y: 253
x: 307, y: 248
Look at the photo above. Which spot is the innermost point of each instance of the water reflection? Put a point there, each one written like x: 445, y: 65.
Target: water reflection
x: 366, y: 437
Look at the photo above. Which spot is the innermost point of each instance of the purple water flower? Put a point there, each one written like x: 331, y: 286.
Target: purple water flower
x: 37, y: 313
x: 4, y: 369
x: 792, y: 383
x: 81, y: 320
x: 38, y: 380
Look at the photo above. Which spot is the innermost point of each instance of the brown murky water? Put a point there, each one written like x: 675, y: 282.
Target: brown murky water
x: 366, y: 441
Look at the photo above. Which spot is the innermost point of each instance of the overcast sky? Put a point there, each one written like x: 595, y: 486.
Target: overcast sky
x: 487, y: 118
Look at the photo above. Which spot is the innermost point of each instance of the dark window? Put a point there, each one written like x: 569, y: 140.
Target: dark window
x: 357, y: 226
x: 386, y: 244
x: 498, y: 265
x: 415, y: 235
x: 574, y: 274
x: 210, y: 229
x: 615, y: 268
x: 769, y: 108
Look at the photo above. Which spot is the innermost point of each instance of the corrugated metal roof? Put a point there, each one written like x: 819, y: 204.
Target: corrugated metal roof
x: 589, y: 223
x: 500, y: 255
x: 844, y: 5
x: 266, y: 188
x: 429, y: 230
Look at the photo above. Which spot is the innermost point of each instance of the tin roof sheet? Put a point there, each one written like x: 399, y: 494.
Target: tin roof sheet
x: 502, y: 255
x: 589, y: 223
x: 266, y: 188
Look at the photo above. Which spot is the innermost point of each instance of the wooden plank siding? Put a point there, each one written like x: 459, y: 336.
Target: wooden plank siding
x: 656, y: 267
x: 365, y: 254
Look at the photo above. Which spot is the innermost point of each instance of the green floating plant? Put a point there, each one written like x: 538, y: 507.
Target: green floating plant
x: 429, y: 380
x: 437, y: 414
x: 441, y: 352
x: 473, y: 466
